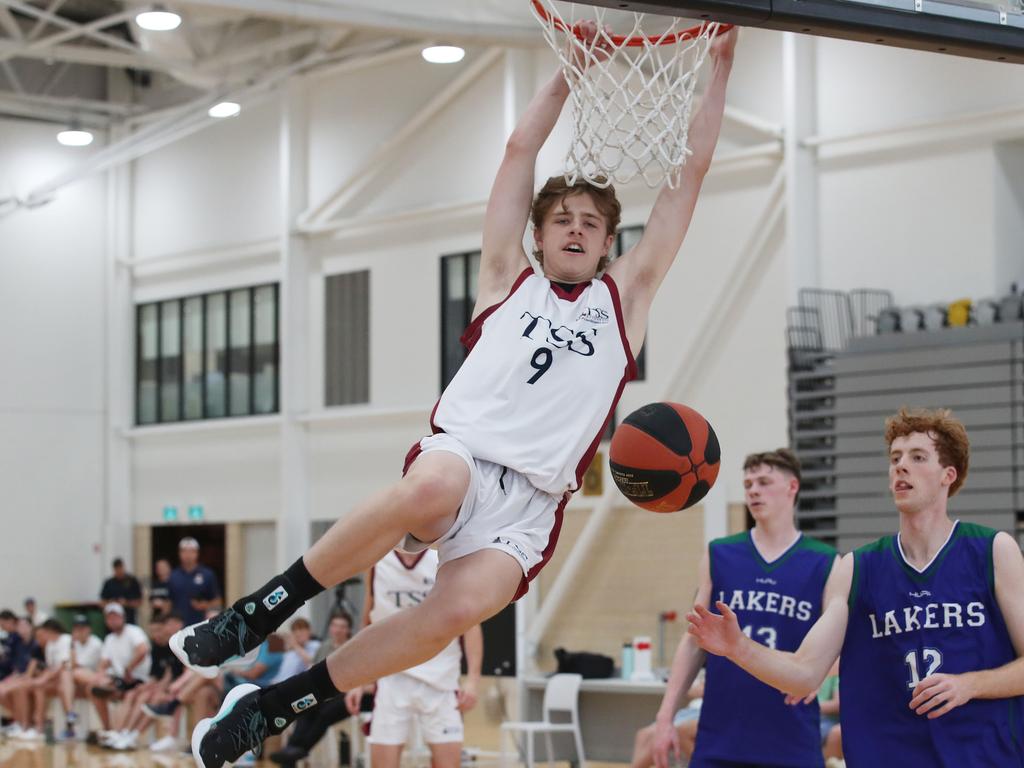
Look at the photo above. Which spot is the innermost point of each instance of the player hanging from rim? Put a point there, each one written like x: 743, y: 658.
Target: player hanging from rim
x: 775, y: 578
x: 488, y: 487
x: 928, y: 625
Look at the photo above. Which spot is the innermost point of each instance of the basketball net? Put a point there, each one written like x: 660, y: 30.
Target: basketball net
x: 631, y: 93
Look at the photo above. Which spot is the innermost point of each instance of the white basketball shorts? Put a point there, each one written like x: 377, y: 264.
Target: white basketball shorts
x: 402, y: 699
x: 501, y: 510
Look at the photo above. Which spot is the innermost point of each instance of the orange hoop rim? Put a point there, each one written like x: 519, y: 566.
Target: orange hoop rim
x: 630, y: 41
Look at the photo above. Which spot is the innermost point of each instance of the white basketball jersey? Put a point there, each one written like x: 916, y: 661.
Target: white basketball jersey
x: 396, y: 586
x: 545, y: 369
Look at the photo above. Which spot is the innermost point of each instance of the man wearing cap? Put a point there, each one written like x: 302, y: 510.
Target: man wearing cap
x: 124, y: 589
x: 124, y: 661
x: 194, y: 587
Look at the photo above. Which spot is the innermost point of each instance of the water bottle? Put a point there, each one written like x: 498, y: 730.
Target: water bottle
x: 48, y: 734
x: 627, y: 660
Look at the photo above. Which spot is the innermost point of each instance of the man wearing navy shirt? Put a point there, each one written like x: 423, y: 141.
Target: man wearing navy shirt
x: 194, y: 588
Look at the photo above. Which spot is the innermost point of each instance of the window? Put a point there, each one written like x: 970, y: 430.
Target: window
x: 208, y: 356
x: 459, y: 274
x: 347, y: 338
x: 624, y: 240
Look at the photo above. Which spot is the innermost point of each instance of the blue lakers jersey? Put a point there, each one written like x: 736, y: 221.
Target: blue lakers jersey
x: 907, y: 624
x: 742, y: 719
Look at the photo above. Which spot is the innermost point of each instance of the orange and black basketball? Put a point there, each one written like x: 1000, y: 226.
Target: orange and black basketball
x: 664, y: 457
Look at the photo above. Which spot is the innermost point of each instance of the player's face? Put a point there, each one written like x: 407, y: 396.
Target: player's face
x: 916, y: 478
x: 768, y: 491
x: 340, y: 631
x: 574, y: 238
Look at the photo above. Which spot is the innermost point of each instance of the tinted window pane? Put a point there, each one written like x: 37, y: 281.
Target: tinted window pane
x: 239, y: 354
x: 170, y: 360
x: 216, y: 355
x: 265, y: 349
x: 192, y: 359
x: 148, y: 321
x: 459, y: 274
x: 347, y: 339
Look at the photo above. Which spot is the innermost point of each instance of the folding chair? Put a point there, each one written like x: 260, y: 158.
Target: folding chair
x: 560, y: 695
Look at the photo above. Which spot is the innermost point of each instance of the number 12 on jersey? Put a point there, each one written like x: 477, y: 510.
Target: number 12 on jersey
x: 932, y: 659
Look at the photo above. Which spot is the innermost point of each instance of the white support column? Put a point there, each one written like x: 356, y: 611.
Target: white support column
x: 119, y: 355
x: 799, y: 70
x: 716, y: 513
x: 293, y: 522
x: 518, y: 86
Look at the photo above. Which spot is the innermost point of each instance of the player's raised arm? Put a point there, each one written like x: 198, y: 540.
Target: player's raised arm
x: 796, y: 673
x: 640, y: 272
x: 939, y: 693
x: 508, y: 207
x: 686, y: 663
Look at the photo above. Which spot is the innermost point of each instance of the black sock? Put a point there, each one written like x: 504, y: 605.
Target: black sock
x: 296, y: 696
x: 269, y: 607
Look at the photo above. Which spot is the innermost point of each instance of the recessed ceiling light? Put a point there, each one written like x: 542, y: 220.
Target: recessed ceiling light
x: 75, y: 137
x: 225, y: 109
x: 158, y: 20
x: 443, y: 54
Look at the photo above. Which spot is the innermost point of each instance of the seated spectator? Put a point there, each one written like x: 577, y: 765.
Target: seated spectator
x: 47, y: 685
x: 15, y: 690
x: 164, y: 669
x: 685, y: 722
x: 124, y: 589
x: 301, y: 649
x: 76, y: 678
x: 124, y: 664
x: 260, y: 672
x: 10, y: 642
x: 831, y: 733
x: 309, y: 730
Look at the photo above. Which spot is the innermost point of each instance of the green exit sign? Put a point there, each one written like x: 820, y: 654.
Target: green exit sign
x: 195, y: 512
x: 170, y: 514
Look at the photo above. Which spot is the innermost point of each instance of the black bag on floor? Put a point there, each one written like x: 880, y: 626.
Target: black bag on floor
x: 590, y: 665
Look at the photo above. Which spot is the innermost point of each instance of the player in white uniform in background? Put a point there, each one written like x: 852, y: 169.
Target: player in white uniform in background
x: 513, y: 432
x: 428, y: 693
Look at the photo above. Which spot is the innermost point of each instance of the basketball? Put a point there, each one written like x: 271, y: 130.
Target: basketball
x: 665, y: 457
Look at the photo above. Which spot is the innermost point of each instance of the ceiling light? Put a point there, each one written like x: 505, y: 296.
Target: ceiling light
x: 443, y: 54
x: 158, y: 19
x: 225, y: 109
x: 75, y: 137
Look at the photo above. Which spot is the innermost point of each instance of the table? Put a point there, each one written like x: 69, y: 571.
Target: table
x: 611, y: 712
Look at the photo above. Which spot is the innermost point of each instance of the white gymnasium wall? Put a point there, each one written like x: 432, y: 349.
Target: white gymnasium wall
x: 213, y: 189
x: 52, y: 348
x: 934, y: 222
x: 888, y: 219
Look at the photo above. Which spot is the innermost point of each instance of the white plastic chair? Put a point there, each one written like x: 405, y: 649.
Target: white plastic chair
x: 560, y: 695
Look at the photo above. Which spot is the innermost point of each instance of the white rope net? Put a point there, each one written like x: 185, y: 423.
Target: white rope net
x: 631, y: 91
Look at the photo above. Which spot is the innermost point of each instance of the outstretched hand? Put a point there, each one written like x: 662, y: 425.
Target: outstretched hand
x: 717, y: 634
x: 592, y: 45
x: 724, y: 45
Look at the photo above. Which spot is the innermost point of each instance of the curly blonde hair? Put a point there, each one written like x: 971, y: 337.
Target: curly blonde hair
x: 945, y: 430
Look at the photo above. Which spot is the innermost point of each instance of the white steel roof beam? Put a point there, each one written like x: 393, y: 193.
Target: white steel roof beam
x: 80, y: 54
x: 10, y: 24
x: 60, y: 21
x: 40, y: 24
x: 82, y: 30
